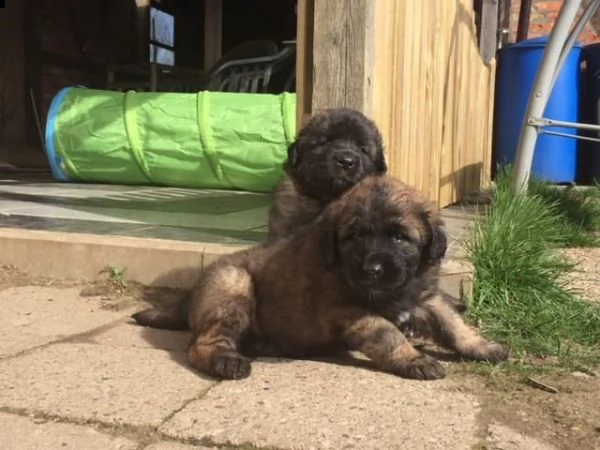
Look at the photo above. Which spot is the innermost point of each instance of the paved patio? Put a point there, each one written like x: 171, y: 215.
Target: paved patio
x: 76, y: 374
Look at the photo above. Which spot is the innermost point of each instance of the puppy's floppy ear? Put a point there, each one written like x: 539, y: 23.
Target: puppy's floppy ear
x: 293, y: 157
x: 437, y: 244
x: 380, y: 164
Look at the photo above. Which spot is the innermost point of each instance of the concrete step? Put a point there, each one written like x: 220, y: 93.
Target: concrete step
x: 151, y: 262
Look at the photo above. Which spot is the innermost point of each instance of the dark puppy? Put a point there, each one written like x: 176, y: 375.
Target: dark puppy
x: 338, y: 283
x: 334, y: 151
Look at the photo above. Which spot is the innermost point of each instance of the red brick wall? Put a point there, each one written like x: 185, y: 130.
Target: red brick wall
x: 543, y: 15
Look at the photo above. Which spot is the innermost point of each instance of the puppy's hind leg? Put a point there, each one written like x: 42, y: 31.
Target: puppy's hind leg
x: 448, y: 328
x: 221, y: 314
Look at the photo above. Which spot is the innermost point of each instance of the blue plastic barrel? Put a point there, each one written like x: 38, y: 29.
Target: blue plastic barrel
x: 555, y: 158
x: 590, y: 151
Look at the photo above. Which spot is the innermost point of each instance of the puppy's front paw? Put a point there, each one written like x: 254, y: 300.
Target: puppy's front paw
x: 423, y: 367
x: 487, y: 351
x: 230, y: 365
x: 494, y: 352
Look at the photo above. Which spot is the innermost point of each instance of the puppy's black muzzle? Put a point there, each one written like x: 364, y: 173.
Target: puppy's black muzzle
x: 381, y: 270
x: 346, y: 163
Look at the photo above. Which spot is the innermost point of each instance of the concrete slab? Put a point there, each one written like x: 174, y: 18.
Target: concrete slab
x: 502, y: 437
x: 130, y: 335
x: 174, y: 446
x: 24, y: 433
x: 457, y: 285
x: 35, y: 315
x: 152, y: 262
x: 310, y: 405
x: 113, y: 385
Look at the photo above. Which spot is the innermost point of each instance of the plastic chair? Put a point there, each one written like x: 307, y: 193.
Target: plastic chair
x: 256, y: 75
x: 257, y: 48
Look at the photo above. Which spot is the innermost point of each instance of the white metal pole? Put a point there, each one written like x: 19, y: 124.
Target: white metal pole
x: 585, y: 17
x: 538, y: 98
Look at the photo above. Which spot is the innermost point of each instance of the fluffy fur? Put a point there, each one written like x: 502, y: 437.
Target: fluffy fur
x: 334, y: 151
x: 342, y: 282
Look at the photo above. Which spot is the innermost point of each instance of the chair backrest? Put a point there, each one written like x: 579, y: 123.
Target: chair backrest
x: 254, y: 75
x: 256, y: 48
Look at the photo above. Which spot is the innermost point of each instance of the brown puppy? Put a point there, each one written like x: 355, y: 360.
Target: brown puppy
x: 335, y: 150
x: 338, y: 283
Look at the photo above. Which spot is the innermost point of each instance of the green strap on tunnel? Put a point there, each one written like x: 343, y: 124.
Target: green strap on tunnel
x: 133, y: 136
x: 288, y: 113
x: 206, y: 138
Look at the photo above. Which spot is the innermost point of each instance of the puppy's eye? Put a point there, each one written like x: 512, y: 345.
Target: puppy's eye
x: 398, y: 238
x: 364, y: 149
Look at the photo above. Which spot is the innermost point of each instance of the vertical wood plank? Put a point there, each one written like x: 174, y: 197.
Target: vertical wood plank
x: 341, y: 34
x: 213, y: 31
x: 423, y: 81
x: 304, y: 61
x: 488, y: 38
x: 329, y: 54
x: 358, y: 16
x: 142, y: 30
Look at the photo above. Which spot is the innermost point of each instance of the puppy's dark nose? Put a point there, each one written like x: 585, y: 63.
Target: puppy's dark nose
x: 374, y: 270
x: 346, y: 161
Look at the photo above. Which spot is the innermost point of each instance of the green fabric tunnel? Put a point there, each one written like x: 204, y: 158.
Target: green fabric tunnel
x: 211, y: 140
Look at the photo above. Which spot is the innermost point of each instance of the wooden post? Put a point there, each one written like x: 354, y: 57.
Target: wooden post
x: 524, y: 16
x: 32, y: 72
x: 343, y: 37
x: 488, y: 38
x: 304, y: 60
x: 213, y: 31
x: 142, y: 30
x: 153, y: 62
x: 13, y: 92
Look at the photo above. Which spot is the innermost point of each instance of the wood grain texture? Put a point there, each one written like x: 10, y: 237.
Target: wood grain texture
x: 213, y: 31
x: 304, y: 60
x: 329, y: 54
x: 340, y: 65
x: 432, y: 96
x: 488, y: 40
x: 416, y: 69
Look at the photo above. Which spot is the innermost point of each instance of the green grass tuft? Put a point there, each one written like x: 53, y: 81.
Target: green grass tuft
x: 579, y: 210
x: 519, y: 297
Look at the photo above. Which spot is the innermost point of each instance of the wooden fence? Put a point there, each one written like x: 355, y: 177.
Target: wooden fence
x: 415, y: 68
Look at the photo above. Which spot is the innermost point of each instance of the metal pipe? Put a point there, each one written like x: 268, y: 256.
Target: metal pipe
x: 570, y: 136
x: 538, y: 98
x: 523, y: 24
x: 585, y: 17
x: 543, y: 122
x: 503, y: 22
